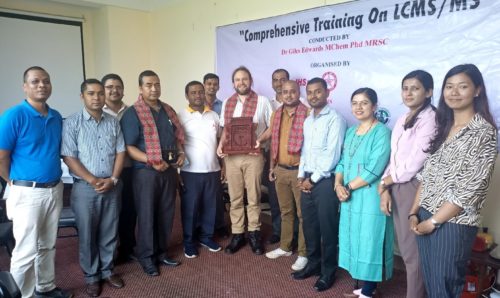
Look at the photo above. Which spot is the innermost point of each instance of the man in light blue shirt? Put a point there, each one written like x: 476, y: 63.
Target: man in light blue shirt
x: 324, y: 131
x: 94, y: 150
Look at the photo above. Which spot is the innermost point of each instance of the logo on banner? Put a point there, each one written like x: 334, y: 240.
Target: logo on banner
x: 331, y: 80
x: 383, y: 115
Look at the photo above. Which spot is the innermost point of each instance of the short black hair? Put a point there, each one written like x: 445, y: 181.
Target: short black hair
x: 146, y: 73
x: 287, y: 74
x: 318, y: 80
x: 111, y: 76
x: 209, y: 76
x: 192, y: 83
x: 25, y: 74
x: 87, y: 82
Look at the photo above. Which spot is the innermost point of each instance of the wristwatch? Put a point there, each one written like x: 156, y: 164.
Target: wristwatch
x: 115, y: 180
x: 435, y: 223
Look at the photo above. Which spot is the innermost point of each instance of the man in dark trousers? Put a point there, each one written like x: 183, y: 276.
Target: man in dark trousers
x: 154, y: 139
x: 324, y: 131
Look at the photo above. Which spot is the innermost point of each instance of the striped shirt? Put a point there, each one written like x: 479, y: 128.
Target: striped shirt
x: 94, y: 144
x: 459, y: 172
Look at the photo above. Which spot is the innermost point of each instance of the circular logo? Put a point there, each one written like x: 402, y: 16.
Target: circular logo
x: 331, y: 80
x: 382, y: 115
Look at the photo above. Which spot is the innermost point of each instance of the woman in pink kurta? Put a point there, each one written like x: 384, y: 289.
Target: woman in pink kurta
x: 410, y: 138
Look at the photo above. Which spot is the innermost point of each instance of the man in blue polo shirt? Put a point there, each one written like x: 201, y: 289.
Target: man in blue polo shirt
x: 30, y: 163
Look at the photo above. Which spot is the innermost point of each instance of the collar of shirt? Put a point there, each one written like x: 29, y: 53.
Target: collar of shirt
x: 324, y: 111
x: 205, y: 109
x: 87, y: 116
x: 111, y: 112
x: 34, y: 112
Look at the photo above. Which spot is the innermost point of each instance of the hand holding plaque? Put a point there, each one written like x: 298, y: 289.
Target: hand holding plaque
x: 240, y: 137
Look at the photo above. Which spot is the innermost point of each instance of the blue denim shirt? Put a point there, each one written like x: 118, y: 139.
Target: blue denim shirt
x: 322, y: 147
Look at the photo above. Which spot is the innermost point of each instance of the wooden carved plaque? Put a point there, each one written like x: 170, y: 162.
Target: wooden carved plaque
x: 240, y: 137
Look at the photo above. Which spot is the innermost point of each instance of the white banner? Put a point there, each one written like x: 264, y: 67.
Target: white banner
x: 367, y: 44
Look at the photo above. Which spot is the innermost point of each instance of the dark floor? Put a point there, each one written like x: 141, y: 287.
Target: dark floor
x: 210, y: 275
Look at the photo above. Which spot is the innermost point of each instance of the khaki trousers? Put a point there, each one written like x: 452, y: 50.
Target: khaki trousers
x: 35, y: 214
x: 403, y: 195
x: 289, y: 201
x: 244, y: 171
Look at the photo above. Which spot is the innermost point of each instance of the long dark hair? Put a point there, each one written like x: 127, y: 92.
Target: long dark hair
x: 426, y: 80
x: 444, y: 114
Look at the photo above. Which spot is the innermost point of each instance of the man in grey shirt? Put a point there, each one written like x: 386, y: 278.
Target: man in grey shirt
x: 94, y: 150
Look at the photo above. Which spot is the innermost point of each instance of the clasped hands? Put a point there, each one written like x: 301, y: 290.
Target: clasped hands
x: 102, y: 185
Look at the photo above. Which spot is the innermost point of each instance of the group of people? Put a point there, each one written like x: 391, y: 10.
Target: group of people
x: 339, y: 193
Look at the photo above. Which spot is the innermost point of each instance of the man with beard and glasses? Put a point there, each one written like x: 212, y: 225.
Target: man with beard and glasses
x: 113, y: 90
x: 244, y: 171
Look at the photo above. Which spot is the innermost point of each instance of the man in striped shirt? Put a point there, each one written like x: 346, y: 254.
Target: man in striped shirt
x: 94, y: 150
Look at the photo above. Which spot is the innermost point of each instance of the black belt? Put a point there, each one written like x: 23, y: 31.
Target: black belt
x: 288, y: 167
x: 35, y: 184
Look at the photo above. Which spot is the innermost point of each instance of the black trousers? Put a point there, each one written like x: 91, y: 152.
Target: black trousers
x: 128, y: 216
x: 220, y: 209
x: 320, y: 215
x: 272, y: 196
x: 154, y: 195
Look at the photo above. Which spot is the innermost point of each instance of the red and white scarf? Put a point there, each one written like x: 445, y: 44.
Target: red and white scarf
x: 249, y: 106
x: 296, y: 136
x: 151, y: 138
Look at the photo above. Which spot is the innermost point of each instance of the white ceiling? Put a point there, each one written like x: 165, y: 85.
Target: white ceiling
x: 144, y: 5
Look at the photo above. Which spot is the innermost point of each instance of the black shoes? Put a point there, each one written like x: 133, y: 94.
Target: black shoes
x: 306, y: 273
x: 125, y: 258
x: 237, y: 242
x: 54, y: 293
x: 169, y: 262
x: 324, y: 283
x: 255, y: 242
x: 151, y: 270
x: 274, y: 239
x: 222, y: 232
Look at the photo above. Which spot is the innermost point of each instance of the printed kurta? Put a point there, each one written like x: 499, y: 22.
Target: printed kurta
x: 366, y: 235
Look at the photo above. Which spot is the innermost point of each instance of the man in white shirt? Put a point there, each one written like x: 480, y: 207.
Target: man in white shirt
x: 201, y: 173
x: 244, y: 171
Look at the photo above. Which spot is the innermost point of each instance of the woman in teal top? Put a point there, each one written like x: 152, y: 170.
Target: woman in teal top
x: 365, y: 233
